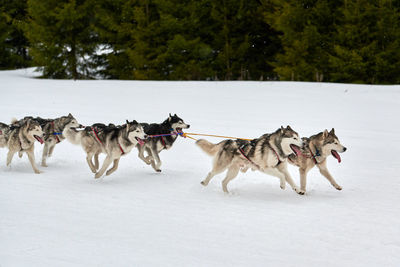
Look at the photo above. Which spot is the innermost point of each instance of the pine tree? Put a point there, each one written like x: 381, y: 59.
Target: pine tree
x: 13, y: 44
x: 307, y: 28
x: 62, y: 38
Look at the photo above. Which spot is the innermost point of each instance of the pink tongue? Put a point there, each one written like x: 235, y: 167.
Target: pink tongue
x: 39, y: 139
x: 140, y: 141
x: 296, y: 149
x: 336, y: 155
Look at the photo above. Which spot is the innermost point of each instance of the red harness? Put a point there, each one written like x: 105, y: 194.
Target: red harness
x: 163, y: 142
x: 313, y: 156
x: 120, y: 148
x: 95, y: 133
x: 242, y: 152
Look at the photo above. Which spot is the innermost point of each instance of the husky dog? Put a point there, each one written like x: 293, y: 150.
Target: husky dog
x: 154, y: 145
x: 21, y: 139
x: 267, y: 154
x: 52, y: 129
x: 315, y: 151
x: 4, y: 133
x: 115, y: 141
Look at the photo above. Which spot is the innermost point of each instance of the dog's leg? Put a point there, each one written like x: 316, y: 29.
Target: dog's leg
x: 106, y: 163
x: 51, y: 149
x: 215, y: 170
x: 303, y: 179
x: 147, y: 159
x: 156, y: 162
x: 10, y: 156
x: 230, y: 175
x: 96, y: 161
x: 31, y: 156
x: 275, y: 172
x: 89, y: 157
x: 324, y: 171
x: 114, y: 167
x: 283, y: 169
x: 20, y: 154
x: 45, y: 153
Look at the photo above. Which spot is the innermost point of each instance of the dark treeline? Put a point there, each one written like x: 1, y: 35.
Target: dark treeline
x: 355, y: 41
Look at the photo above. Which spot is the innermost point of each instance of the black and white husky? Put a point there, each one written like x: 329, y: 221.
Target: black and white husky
x: 171, y: 127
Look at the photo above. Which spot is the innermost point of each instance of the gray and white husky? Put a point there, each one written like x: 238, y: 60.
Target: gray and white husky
x: 21, y: 138
x: 267, y: 154
x: 52, y: 130
x: 154, y: 145
x: 315, y: 151
x: 115, y: 141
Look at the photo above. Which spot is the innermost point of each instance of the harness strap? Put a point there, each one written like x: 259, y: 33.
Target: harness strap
x: 163, y: 142
x: 313, y: 156
x: 242, y: 152
x: 276, y: 154
x: 120, y: 148
x: 54, y: 131
x: 95, y: 133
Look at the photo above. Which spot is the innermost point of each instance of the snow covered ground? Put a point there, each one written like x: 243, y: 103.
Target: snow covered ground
x: 136, y: 217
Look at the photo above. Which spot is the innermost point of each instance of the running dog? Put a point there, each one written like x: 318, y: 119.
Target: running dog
x: 267, y: 154
x: 315, y: 151
x: 21, y: 138
x: 4, y: 133
x: 115, y: 141
x: 52, y: 129
x: 171, y: 127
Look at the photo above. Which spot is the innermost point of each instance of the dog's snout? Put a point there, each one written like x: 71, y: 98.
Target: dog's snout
x: 344, y: 149
x: 146, y: 136
x: 188, y: 126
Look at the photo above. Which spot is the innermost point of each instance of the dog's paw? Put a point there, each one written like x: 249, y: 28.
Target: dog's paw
x: 283, y: 186
x: 38, y: 172
x: 338, y: 187
x: 158, y: 170
x: 98, y: 175
x: 44, y: 165
x: 20, y: 154
x: 203, y: 183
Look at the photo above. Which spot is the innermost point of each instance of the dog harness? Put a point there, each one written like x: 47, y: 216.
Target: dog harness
x: 95, y: 134
x: 54, y: 132
x: 120, y: 148
x: 242, y: 152
x: 314, y: 157
x: 163, y: 142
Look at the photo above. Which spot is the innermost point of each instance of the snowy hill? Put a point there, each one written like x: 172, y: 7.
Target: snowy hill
x: 136, y: 217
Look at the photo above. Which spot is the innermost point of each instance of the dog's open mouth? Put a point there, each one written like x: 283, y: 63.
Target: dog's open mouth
x: 40, y: 140
x: 295, y: 149
x: 336, y: 155
x: 140, y: 141
x: 179, y: 130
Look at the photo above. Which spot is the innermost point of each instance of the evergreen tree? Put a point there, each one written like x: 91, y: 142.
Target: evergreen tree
x: 13, y: 44
x: 61, y: 36
x: 307, y: 28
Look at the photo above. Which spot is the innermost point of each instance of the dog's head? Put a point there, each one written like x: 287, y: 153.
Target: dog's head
x: 135, y: 132
x: 33, y: 131
x: 332, y: 145
x: 177, y: 124
x: 290, y: 141
x: 70, y: 122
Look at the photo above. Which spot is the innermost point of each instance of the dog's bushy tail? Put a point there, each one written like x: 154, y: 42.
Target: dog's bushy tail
x: 210, y: 148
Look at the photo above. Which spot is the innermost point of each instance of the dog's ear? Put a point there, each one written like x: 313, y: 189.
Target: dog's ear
x: 332, y: 132
x: 288, y: 127
x: 175, y: 115
x: 169, y: 117
x: 282, y: 129
x: 70, y: 115
x: 325, y: 133
x: 28, y: 122
x: 134, y: 122
x: 127, y: 122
